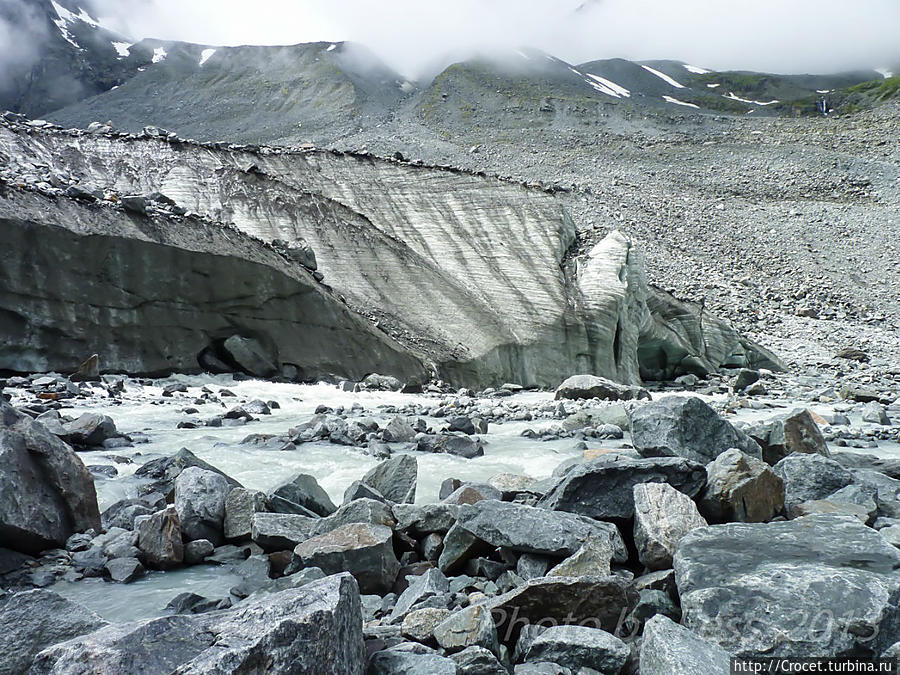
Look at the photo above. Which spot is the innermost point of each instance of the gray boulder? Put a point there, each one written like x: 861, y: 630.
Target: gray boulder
x: 470, y: 493
x: 591, y: 560
x: 478, y: 661
x: 528, y: 529
x: 395, y: 478
x: 159, y: 538
x: 396, y: 662
x: 240, y: 505
x: 670, y: 649
x: 662, y: 516
x: 810, y: 476
x: 802, y: 434
x: 420, y: 588
x: 34, y: 620
x: 472, y: 626
x: 46, y: 493
x: 875, y: 413
x: 90, y: 429
x: 459, y: 445
x: 398, y: 430
x: 591, y: 386
x: 124, y: 570
x: 200, y: 502
x: 426, y: 518
x: 743, y: 488
x: 252, y: 357
x: 820, y: 585
x: 578, y: 647
x: 685, y: 426
x: 602, y: 488
x: 364, y: 550
x: 302, y: 494
x: 314, y: 629
x: 162, y: 472
x: 419, y: 624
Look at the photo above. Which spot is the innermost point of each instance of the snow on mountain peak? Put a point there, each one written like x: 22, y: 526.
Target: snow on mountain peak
x: 159, y: 54
x: 206, y: 55
x: 697, y: 70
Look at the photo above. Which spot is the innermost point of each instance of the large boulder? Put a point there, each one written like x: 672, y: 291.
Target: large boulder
x: 46, y: 493
x: 162, y: 472
x: 395, y: 478
x: 602, y: 488
x: 160, y: 539
x: 313, y: 629
x: 670, y: 649
x: 685, y: 426
x: 240, y: 505
x: 302, y: 494
x: 591, y: 386
x: 472, y: 626
x: 252, y: 356
x: 743, y: 488
x: 89, y: 429
x: 33, y: 620
x: 396, y: 661
x: 528, y: 529
x: 822, y: 585
x: 364, y: 550
x: 577, y: 647
x: 200, y: 502
x: 802, y: 434
x: 810, y: 476
x: 662, y: 516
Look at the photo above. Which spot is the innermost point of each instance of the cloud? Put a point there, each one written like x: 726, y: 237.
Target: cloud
x: 21, y: 33
x: 411, y: 35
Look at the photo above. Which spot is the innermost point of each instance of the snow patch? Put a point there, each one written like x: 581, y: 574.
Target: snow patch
x: 713, y: 86
x: 697, y: 70
x: 331, y: 48
x: 608, y: 86
x: 663, y: 76
x: 733, y: 97
x: 884, y: 72
x: 124, y: 48
x: 669, y: 99
x: 159, y: 54
x: 205, y: 55
x: 522, y: 54
x: 824, y: 91
x: 65, y: 17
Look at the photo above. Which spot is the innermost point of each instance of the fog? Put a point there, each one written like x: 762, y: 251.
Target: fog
x: 413, y: 35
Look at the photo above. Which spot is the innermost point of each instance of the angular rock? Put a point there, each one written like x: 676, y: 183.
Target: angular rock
x: 200, y: 502
x: 662, y: 516
x: 528, y: 529
x: 820, y: 585
x: 301, y: 494
x: 281, y: 531
x: 469, y: 627
x: 90, y: 429
x: 668, y: 649
x: 162, y: 472
x: 419, y: 624
x: 422, y: 587
x: 478, y: 661
x: 461, y: 446
x: 810, y: 476
x: 745, y: 378
x: 396, y: 662
x: 395, y: 478
x: 240, y: 505
x: 364, y: 550
x: 426, y: 518
x: 46, y: 493
x: 398, y: 430
x: 314, y: 629
x: 591, y: 386
x: 591, y: 560
x: 459, y: 546
x: 740, y: 487
x: 578, y: 647
x: 602, y: 488
x: 125, y: 570
x: 875, y: 413
x: 252, y: 357
x: 159, y: 539
x: 34, y: 620
x: 685, y: 426
x: 802, y: 434
x: 470, y: 493
x: 196, y: 551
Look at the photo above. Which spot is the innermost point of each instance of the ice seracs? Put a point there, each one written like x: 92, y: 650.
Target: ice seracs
x: 205, y: 55
x: 663, y: 76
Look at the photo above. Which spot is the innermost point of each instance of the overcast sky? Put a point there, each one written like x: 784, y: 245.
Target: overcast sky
x: 769, y: 35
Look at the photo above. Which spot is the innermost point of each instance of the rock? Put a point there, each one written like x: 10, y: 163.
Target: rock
x: 395, y: 478
x: 200, y: 502
x: 510, y: 485
x: 34, y: 620
x: 740, y: 487
x: 886, y: 491
x: 745, y: 378
x: 301, y: 494
x: 461, y: 446
x: 252, y: 357
x: 461, y: 424
x: 422, y: 587
x: 419, y: 624
x: 311, y: 629
x: 591, y: 560
x: 359, y: 490
x: 602, y: 488
x: 160, y: 539
x: 819, y: 506
x: 459, y: 546
x: 802, y: 434
x: 162, y: 472
x: 662, y: 516
x: 469, y: 627
x: 875, y: 413
x: 376, y: 382
x: 684, y: 426
x: 650, y: 603
x: 890, y: 466
x: 124, y: 570
x: 398, y: 430
x: 281, y: 531
x: 578, y: 647
x: 364, y: 550
x: 195, y: 552
x: 600, y: 601
x: 191, y: 603
x: 670, y: 649
x: 528, y: 529
x: 134, y: 204
x: 46, y: 493
x: 478, y: 661
x: 858, y: 393
x: 395, y: 662
x: 90, y: 429
x: 471, y: 493
x: 852, y: 354
x: 425, y: 518
x: 591, y: 386
x: 240, y: 505
x: 88, y: 371
x: 810, y: 476
x: 744, y: 585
